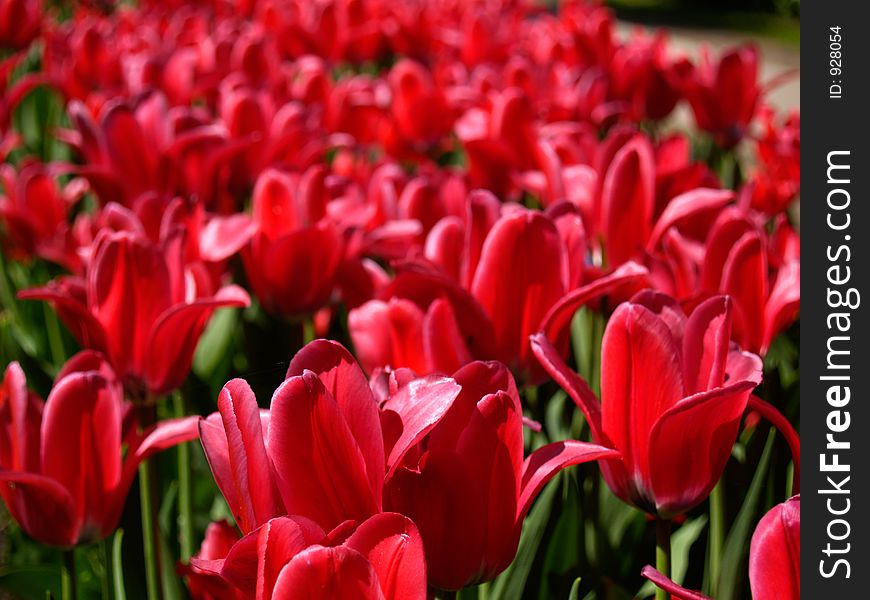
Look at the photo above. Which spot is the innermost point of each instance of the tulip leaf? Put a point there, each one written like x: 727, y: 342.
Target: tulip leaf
x: 512, y: 581
x: 215, y: 343
x: 574, y: 594
x: 31, y: 582
x: 737, y: 542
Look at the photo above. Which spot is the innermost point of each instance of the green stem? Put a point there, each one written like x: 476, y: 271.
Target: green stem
x: 308, y: 332
x: 717, y: 535
x: 68, y: 575
x: 663, y: 553
x: 149, y: 510
x: 55, y: 340
x: 185, y: 501
x: 108, y: 575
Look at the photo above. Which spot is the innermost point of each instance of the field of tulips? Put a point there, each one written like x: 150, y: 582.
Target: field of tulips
x: 381, y: 299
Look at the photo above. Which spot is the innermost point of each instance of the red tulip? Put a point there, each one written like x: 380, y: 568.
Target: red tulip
x: 273, y: 463
x: 293, y: 258
x: 724, y: 95
x: 777, y: 182
x: 141, y: 306
x: 66, y: 465
x: 292, y: 557
x: 203, y: 584
x: 466, y: 484
x: 673, y: 391
x: 20, y: 21
x: 736, y: 262
x: 775, y: 553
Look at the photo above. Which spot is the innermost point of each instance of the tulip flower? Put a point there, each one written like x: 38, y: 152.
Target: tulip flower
x: 20, y: 22
x: 736, y: 262
x: 67, y: 464
x: 203, y: 584
x: 272, y: 463
x: 466, y: 484
x: 775, y: 553
x: 293, y: 258
x: 724, y: 95
x: 141, y: 306
x: 292, y: 557
x: 673, y: 391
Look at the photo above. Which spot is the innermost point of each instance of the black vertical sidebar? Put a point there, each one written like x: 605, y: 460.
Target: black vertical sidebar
x: 835, y: 337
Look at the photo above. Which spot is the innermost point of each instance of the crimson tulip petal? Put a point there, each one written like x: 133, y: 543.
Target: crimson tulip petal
x: 446, y: 349
x: 571, y: 382
x: 223, y: 237
x: 521, y: 274
x: 320, y: 572
x: 81, y: 446
x: 67, y: 294
x: 636, y: 344
x: 744, y: 278
x: 628, y: 200
x: 320, y: 468
x: 43, y: 507
x: 547, y: 461
x: 252, y: 475
x: 420, y: 404
x: 775, y: 551
x: 677, y: 592
x: 706, y: 344
x: 278, y: 541
x: 707, y: 423
x: 393, y: 546
x: 778, y: 420
x: 555, y: 322
x: 686, y: 206
x: 20, y: 418
x: 343, y: 378
x: 176, y: 333
x: 784, y: 302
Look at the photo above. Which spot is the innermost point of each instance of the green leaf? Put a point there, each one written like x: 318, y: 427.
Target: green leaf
x: 574, y: 594
x: 215, y: 342
x: 31, y: 582
x: 512, y: 581
x: 737, y: 542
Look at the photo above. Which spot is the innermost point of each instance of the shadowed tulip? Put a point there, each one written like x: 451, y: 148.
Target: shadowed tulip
x: 66, y: 465
x: 140, y: 305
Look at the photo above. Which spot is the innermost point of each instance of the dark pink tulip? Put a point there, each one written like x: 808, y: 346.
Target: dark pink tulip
x: 141, y: 306
x: 271, y: 463
x: 66, y: 465
x: 775, y: 553
x: 466, y: 484
x: 292, y: 557
x: 724, y: 95
x: 684, y: 387
x: 294, y: 255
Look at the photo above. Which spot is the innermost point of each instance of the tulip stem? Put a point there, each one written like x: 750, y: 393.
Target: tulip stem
x: 663, y: 553
x: 309, y: 333
x: 185, y: 505
x: 717, y: 535
x: 148, y: 510
x: 68, y: 575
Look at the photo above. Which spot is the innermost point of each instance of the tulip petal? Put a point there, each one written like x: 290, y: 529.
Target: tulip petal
x: 252, y: 477
x: 690, y: 445
x: 393, y: 546
x: 81, y: 446
x: 519, y: 278
x: 784, y: 302
x: 420, y: 404
x: 555, y: 322
x: 571, y: 382
x: 445, y: 347
x: 545, y: 462
x: 744, y: 278
x: 176, y: 333
x: 778, y: 420
x: 20, y: 419
x: 43, y: 507
x: 320, y: 468
x: 677, y: 592
x: 343, y: 378
x: 320, y: 572
x: 628, y: 200
x: 686, y: 206
x: 278, y: 541
x: 774, y: 553
x: 706, y: 343
x: 641, y: 378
